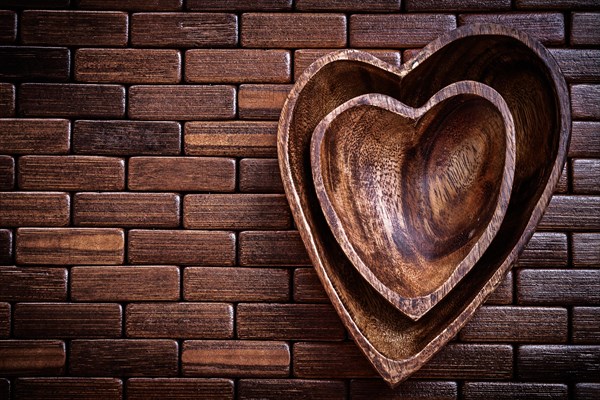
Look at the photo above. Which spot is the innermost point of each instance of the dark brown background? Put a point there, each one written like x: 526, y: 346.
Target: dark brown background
x: 147, y: 249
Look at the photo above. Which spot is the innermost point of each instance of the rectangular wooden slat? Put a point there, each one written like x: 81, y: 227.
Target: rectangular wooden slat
x: 262, y: 101
x: 123, y: 283
x: 69, y: 388
x: 556, y: 4
x: 237, y: 66
x: 180, y: 388
x: 585, y: 249
x: 587, y: 391
x: 8, y: 26
x: 235, y: 284
x: 585, y: 101
x: 348, y: 6
x: 33, y: 284
x: 123, y: 357
x: 6, y: 246
x: 558, y: 363
x: 182, y: 174
x: 545, y: 249
x: 504, y: 292
x: 231, y: 138
x: 586, y: 325
x: 34, y: 209
x: 288, y: 322
x: 268, y: 30
x: 398, y: 30
x: 517, y: 324
x: 128, y: 65
x: 291, y: 389
x: 184, y: 30
x: 456, y: 5
x: 7, y: 100
x: 36, y: 3
x: 284, y: 248
x: 182, y: 102
x: 586, y: 176
x: 585, y: 29
x: 558, y: 287
x: 238, y: 5
x: 7, y: 172
x: 330, y: 360
x: 4, y: 320
x: 578, y: 65
x: 71, y: 100
x: 125, y: 209
x: 215, y: 248
x: 548, y: 28
x: 34, y: 136
x: 513, y: 390
x: 67, y: 320
x: 74, y: 28
x: 369, y: 389
x: 131, y: 5
x: 585, y: 139
x: 243, y: 358
x: 236, y: 211
x: 308, y: 287
x: 32, y: 357
x: 304, y: 57
x: 260, y: 176
x: 179, y: 320
x: 70, y: 246
x: 572, y: 213
x: 34, y: 63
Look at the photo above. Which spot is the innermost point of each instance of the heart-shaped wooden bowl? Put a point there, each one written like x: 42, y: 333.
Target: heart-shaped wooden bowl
x: 414, y: 196
x: 529, y: 80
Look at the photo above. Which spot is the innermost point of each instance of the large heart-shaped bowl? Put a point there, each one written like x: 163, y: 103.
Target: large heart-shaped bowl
x: 529, y: 80
x: 414, y: 196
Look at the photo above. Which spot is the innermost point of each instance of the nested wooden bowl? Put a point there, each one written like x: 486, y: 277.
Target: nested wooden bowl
x: 414, y: 196
x: 527, y: 77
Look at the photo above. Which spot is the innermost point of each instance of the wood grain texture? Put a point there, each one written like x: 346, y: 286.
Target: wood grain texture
x: 397, y: 30
x: 517, y: 325
x: 71, y: 100
x: 61, y: 388
x: 74, y: 28
x: 124, y: 283
x: 131, y: 5
x: 239, y: 358
x: 578, y: 65
x: 213, y: 248
x: 558, y: 287
x: 5, y: 315
x: 180, y: 388
x: 67, y: 320
x: 236, y: 284
x: 34, y: 136
x: 586, y: 176
x: 182, y: 102
x: 260, y: 176
x: 288, y: 322
x: 503, y: 294
x: 6, y: 246
x: 572, y: 213
x: 585, y: 101
x: 585, y: 325
x: 307, y: 287
x: 545, y: 249
x: 70, y: 246
x: 262, y: 101
x: 563, y: 182
x: 304, y: 57
x: 125, y: 209
x: 34, y: 63
x: 587, y: 391
x: 558, y: 4
x: 179, y: 320
x: 266, y: 30
x: 124, y: 138
x: 548, y: 28
x: 71, y: 173
x: 8, y: 26
x: 32, y: 357
x: 33, y: 284
x: 7, y: 173
x: 584, y: 249
x: 128, y: 65
x: 264, y: 248
x: 182, y: 174
x: 123, y: 357
x: 330, y: 360
x: 363, y: 389
x: 36, y: 3
x: 349, y: 6
x: 34, y: 209
x: 456, y: 5
x: 7, y: 100
x: 237, y: 66
x: 231, y: 138
x: 585, y: 140
x: 290, y: 389
x: 5, y: 388
x: 585, y: 29
x: 235, y: 211
x: 184, y: 30
x: 238, y: 5
x: 558, y: 363
x: 513, y: 391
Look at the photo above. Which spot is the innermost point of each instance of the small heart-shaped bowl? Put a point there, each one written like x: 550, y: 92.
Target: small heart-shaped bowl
x: 414, y: 196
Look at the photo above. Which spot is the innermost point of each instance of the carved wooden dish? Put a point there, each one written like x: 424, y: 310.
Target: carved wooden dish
x: 526, y: 76
x: 414, y: 196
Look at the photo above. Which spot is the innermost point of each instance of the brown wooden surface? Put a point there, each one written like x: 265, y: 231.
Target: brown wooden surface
x: 558, y: 362
x: 60, y: 388
x: 231, y: 138
x: 180, y: 388
x: 8, y: 26
x: 363, y: 389
x: 261, y: 101
x: 34, y: 209
x: 585, y: 101
x: 5, y: 315
x: 260, y: 176
x: 304, y: 57
x: 33, y: 284
x: 32, y: 357
x: 130, y: 5
x: 586, y: 325
x: 456, y: 5
x: 278, y: 248
x: 578, y: 65
x: 513, y: 390
x: 7, y: 100
x: 289, y: 389
x: 558, y: 286
x: 35, y: 63
x: 585, y: 31
x: 6, y: 246
x: 545, y: 249
x: 35, y: 136
x: 586, y: 176
x: 584, y: 246
x: 7, y: 172
x: 585, y: 140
